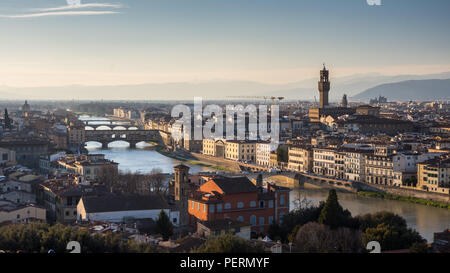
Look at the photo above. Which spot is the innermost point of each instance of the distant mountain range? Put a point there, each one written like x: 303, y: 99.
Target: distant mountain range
x: 361, y: 86
x: 409, y: 90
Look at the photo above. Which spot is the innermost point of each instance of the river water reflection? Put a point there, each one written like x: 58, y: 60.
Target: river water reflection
x: 426, y: 220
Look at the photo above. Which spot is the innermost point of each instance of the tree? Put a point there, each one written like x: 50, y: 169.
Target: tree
x: 229, y: 243
x: 156, y: 182
x: 318, y: 238
x: 297, y: 218
x: 41, y: 237
x: 419, y: 248
x: 164, y: 226
x: 332, y: 214
x: 389, y: 229
x: 108, y: 175
x: 275, y: 232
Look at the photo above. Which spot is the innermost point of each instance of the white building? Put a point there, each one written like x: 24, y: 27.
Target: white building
x: 407, y: 162
x: 354, y: 163
x: 263, y: 154
x: 324, y: 162
x: 118, y: 208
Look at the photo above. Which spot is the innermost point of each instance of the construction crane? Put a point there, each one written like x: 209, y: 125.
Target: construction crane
x: 258, y: 97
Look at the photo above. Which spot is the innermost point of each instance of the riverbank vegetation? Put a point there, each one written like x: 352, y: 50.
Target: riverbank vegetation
x: 41, y: 238
x: 328, y: 228
x: 228, y: 243
x: 404, y: 198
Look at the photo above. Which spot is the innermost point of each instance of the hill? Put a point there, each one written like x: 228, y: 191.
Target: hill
x: 409, y: 90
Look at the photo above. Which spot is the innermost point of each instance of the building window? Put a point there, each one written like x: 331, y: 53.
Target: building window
x: 192, y: 204
x: 261, y: 204
x: 240, y: 219
x: 211, y: 208
x: 253, y: 220
x: 204, y: 207
x: 240, y: 205
x: 252, y: 204
x: 270, y: 203
x: 219, y: 207
x: 270, y: 220
x: 198, y: 206
x: 227, y: 206
x: 282, y: 199
x: 261, y: 221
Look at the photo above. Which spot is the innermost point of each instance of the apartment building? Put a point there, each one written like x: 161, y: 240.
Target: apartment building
x: 240, y: 150
x: 60, y: 196
x: 324, y: 162
x: 7, y: 156
x: 12, y: 213
x: 354, y: 163
x: 379, y: 167
x: 76, y: 135
x: 339, y: 164
x: 214, y: 147
x: 237, y: 198
x: 88, y: 166
x: 434, y: 175
x: 300, y: 158
x: 263, y: 153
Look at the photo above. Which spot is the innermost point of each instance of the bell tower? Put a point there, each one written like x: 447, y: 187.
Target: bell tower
x: 324, y: 87
x: 181, y: 191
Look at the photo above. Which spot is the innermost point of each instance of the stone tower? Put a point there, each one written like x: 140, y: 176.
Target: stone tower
x: 324, y: 87
x: 181, y: 191
x: 344, y: 101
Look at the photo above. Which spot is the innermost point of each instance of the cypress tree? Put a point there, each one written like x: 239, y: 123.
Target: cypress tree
x: 332, y: 213
x: 164, y: 226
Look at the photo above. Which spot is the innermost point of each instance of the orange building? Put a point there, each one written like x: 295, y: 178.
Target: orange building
x: 237, y: 198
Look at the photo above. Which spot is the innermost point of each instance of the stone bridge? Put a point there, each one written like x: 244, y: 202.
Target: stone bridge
x: 111, y: 124
x: 131, y: 136
x: 286, y: 179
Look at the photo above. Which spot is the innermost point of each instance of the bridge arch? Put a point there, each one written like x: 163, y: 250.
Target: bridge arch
x: 93, y: 144
x: 119, y: 128
x: 102, y: 128
x: 119, y: 144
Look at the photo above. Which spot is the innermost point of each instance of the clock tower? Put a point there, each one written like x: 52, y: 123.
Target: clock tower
x: 324, y: 87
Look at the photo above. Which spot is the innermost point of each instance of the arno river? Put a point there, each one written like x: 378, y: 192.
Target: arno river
x: 424, y: 219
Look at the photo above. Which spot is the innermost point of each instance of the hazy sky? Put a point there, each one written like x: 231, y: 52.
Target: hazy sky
x: 45, y: 42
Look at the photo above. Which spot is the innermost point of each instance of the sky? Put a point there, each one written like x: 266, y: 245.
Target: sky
x: 115, y: 42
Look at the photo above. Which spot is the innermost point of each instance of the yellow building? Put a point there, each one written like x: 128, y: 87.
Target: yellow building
x: 240, y: 150
x: 434, y: 175
x: 21, y: 214
x: 86, y: 165
x: 300, y: 159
